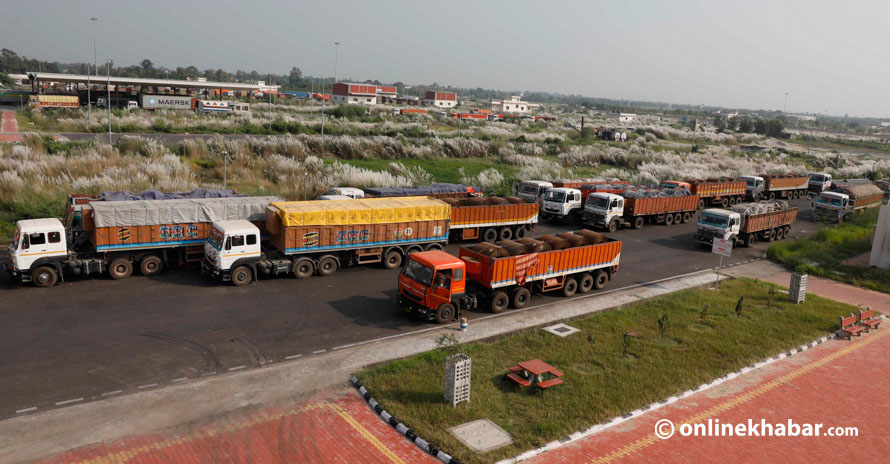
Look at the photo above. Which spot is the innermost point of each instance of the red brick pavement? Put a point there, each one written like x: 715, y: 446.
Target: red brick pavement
x: 9, y: 124
x: 838, y: 383
x: 334, y: 428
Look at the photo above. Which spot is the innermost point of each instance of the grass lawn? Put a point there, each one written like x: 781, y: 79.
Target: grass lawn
x: 823, y: 253
x: 703, y: 339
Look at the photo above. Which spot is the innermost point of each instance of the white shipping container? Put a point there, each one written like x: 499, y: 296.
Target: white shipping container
x: 151, y: 102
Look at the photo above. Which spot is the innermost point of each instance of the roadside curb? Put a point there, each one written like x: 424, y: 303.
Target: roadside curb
x: 400, y: 427
x: 670, y: 400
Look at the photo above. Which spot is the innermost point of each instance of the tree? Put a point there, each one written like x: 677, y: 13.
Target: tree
x: 148, y: 68
x: 720, y: 122
x: 746, y: 124
x: 733, y: 123
x: 295, y: 78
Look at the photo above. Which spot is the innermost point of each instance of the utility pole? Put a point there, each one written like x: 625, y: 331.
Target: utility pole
x: 695, y: 127
x: 225, y: 169
x: 336, y: 55
x: 89, y: 80
x: 108, y: 103
x: 785, y: 108
x: 270, y: 103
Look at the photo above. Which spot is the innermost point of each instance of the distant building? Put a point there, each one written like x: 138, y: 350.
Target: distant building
x: 20, y: 80
x: 386, y: 94
x: 354, y: 94
x: 885, y: 123
x: 440, y: 99
x: 802, y: 117
x: 514, y: 104
x: 626, y: 117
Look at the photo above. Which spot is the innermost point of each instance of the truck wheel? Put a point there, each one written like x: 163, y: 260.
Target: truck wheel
x: 519, y: 232
x: 151, y: 265
x: 750, y: 240
x: 787, y: 231
x: 434, y: 247
x: 392, y: 260
x: 304, y: 268
x: 756, y: 197
x: 44, y: 276
x: 574, y: 218
x: 601, y: 279
x: 613, y: 225
x: 505, y: 233
x: 570, y: 287
x: 521, y: 297
x: 445, y: 313
x: 585, y: 283
x: 327, y: 266
x: 725, y: 202
x: 490, y: 235
x: 678, y: 218
x: 639, y: 222
x: 499, y: 302
x: 120, y: 268
x: 780, y: 233
x: 669, y: 219
x: 771, y: 235
x: 701, y: 204
x: 772, y: 195
x: 414, y: 249
x: 686, y: 217
x: 241, y: 276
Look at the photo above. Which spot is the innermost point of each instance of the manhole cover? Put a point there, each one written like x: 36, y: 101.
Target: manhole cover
x: 481, y: 435
x: 561, y: 330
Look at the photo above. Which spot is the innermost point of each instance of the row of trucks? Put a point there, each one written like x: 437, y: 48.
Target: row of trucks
x: 145, y: 101
x: 265, y: 235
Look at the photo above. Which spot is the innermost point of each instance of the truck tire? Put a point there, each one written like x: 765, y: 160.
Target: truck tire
x: 151, y: 265
x: 771, y: 235
x: 585, y: 283
x: 414, y: 249
x: 686, y: 217
x: 724, y: 202
x: 750, y: 240
x: 613, y: 225
x: 434, y: 247
x: 392, y: 259
x: 668, y: 219
x: 490, y: 235
x: 678, y: 218
x: 756, y: 197
x: 570, y: 287
x: 772, y: 195
x: 44, y: 276
x: 505, y: 233
x: 787, y: 231
x: 445, y: 313
x: 780, y: 233
x: 241, y: 276
x: 601, y: 279
x: 701, y: 203
x: 304, y: 268
x: 498, y: 302
x: 327, y: 265
x: 120, y: 268
x: 519, y: 232
x: 521, y: 297
x: 574, y: 218
x: 639, y: 221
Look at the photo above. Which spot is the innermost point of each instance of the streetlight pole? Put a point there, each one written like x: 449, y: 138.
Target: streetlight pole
x: 695, y: 127
x: 108, y: 103
x: 785, y: 108
x: 336, y: 56
x: 225, y: 169
x: 270, y: 103
x: 89, y: 79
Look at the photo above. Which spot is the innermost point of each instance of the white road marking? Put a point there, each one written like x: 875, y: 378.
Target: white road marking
x: 181, y: 379
x: 22, y: 411
x: 149, y: 385
x: 207, y: 374
x: 237, y: 368
x: 319, y: 351
x: 293, y: 356
x: 112, y: 393
x: 75, y: 400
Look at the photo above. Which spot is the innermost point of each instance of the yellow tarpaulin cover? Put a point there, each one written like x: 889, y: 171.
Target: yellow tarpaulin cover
x: 58, y: 98
x: 361, y: 211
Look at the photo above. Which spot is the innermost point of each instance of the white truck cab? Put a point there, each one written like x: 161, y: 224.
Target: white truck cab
x: 562, y: 203
x: 532, y: 190
x: 132, y: 105
x: 335, y: 197
x: 37, y: 243
x: 604, y: 209
x: 754, y: 185
x: 831, y: 206
x: 350, y: 192
x: 231, y: 248
x: 718, y: 223
x: 819, y: 182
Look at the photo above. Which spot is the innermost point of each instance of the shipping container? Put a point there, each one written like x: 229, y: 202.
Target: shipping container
x: 177, y: 102
x: 214, y: 106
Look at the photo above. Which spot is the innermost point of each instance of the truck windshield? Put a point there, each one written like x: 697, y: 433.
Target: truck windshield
x: 598, y: 202
x: 529, y: 188
x: 557, y: 196
x: 751, y: 182
x: 832, y: 201
x: 670, y: 185
x: 418, y: 273
x: 817, y: 178
x: 713, y: 220
x: 215, y: 239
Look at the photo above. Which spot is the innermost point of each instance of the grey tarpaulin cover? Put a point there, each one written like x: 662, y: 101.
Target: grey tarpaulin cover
x: 183, y: 211
x: 768, y: 206
x: 415, y: 191
x: 124, y: 195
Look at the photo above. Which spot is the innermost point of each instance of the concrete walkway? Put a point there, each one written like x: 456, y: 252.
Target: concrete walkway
x: 9, y: 127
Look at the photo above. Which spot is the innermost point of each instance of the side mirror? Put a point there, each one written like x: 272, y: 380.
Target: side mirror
x: 26, y: 242
x: 228, y: 243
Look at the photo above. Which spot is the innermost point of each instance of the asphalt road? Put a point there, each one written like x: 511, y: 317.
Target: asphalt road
x: 88, y: 339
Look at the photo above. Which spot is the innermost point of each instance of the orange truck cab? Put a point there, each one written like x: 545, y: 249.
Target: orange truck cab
x: 433, y: 284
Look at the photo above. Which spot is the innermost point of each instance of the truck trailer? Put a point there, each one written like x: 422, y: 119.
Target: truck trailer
x: 116, y: 236
x: 770, y: 187
x: 610, y: 211
x: 436, y: 285
x: 175, y: 102
x: 846, y: 199
x: 746, y: 223
x: 54, y: 101
x: 320, y: 237
x: 491, y: 218
x: 724, y: 191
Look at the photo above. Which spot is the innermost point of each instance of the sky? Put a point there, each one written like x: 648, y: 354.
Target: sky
x: 828, y: 56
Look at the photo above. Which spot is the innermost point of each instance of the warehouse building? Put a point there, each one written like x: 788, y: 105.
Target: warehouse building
x: 440, y: 99
x: 386, y: 94
x: 514, y: 104
x: 354, y: 94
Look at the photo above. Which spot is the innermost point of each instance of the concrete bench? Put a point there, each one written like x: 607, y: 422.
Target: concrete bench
x: 849, y: 327
x: 868, y: 320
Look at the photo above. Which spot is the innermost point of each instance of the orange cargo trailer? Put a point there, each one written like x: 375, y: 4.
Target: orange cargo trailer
x: 725, y: 191
x: 759, y: 222
x: 492, y: 222
x: 658, y: 206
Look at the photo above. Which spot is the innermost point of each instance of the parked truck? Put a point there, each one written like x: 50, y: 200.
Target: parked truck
x: 566, y: 204
x: 846, y: 199
x: 746, y: 223
x: 818, y: 182
x: 770, y: 187
x: 436, y: 285
x: 532, y: 190
x: 724, y: 191
x: 320, y: 237
x: 54, y: 101
x: 116, y: 236
x: 491, y: 218
x: 612, y: 212
x: 177, y: 102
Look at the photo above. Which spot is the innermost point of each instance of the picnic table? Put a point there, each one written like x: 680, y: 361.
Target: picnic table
x: 533, y: 373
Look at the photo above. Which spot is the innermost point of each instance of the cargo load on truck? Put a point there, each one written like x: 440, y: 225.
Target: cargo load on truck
x: 491, y: 218
x: 54, y: 101
x: 440, y: 190
x: 118, y: 236
x: 746, y: 223
x: 437, y: 286
x: 320, y: 237
x: 845, y: 199
x: 725, y: 191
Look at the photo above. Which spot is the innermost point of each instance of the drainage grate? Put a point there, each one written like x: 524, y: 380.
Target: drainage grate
x: 561, y: 330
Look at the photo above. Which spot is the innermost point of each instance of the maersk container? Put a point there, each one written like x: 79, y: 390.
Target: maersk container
x: 177, y: 102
